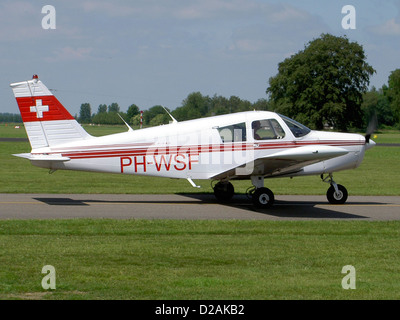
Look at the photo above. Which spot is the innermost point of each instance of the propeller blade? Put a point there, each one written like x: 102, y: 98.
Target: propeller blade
x: 372, y: 125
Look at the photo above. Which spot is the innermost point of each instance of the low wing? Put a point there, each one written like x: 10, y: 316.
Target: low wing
x: 283, y: 162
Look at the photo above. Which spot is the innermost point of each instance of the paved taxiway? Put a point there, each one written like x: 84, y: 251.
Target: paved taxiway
x: 192, y: 206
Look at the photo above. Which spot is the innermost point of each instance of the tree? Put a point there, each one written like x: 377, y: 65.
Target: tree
x: 194, y: 106
x: 135, y: 120
x: 113, y: 107
x: 376, y: 102
x: 261, y: 104
x: 323, y: 83
x: 219, y: 105
x: 393, y: 93
x: 100, y: 118
x: 133, y: 111
x: 161, y: 118
x: 152, y: 113
x: 85, y: 113
x: 102, y: 108
x: 10, y: 117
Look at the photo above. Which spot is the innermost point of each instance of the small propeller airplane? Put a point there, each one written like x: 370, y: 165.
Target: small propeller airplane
x: 253, y: 145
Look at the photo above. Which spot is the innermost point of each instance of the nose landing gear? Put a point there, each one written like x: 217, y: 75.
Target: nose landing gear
x: 336, y: 194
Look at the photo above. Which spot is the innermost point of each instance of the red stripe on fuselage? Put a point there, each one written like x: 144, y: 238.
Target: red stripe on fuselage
x: 196, y: 149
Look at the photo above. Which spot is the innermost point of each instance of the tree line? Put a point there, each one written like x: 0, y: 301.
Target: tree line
x: 194, y: 106
x: 323, y: 85
x: 10, y: 118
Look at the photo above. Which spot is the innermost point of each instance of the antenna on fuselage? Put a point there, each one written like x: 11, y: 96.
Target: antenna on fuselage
x: 173, y: 119
x: 129, y: 127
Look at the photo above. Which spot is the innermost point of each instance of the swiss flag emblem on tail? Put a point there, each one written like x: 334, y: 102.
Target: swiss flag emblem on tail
x: 42, y: 108
x: 37, y: 103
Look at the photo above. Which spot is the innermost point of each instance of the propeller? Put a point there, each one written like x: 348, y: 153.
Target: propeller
x: 372, y: 125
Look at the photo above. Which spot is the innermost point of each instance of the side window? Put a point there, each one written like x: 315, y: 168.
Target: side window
x: 267, y: 129
x: 233, y: 133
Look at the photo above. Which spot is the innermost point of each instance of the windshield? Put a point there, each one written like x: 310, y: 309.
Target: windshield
x: 297, y: 129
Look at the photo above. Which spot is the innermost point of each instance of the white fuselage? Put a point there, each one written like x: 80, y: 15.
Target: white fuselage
x: 199, y: 149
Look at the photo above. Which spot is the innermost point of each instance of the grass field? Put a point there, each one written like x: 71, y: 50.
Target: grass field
x: 158, y: 259
x: 172, y: 259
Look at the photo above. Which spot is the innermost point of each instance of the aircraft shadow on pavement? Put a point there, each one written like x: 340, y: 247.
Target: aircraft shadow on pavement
x: 310, y: 210
x: 86, y: 202
x: 62, y: 201
x: 292, y: 209
x: 281, y: 209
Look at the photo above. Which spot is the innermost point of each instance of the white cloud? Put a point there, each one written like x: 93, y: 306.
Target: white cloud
x: 22, y: 20
x: 215, y: 8
x: 389, y: 28
x: 111, y: 8
x: 196, y: 9
x: 15, y: 9
x: 17, y: 20
x: 70, y: 54
x: 282, y: 30
x: 286, y: 13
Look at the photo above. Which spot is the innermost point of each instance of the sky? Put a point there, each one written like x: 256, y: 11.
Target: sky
x: 148, y: 52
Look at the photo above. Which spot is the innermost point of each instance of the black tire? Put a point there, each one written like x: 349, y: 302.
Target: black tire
x: 224, y: 191
x: 334, y: 198
x: 263, y: 198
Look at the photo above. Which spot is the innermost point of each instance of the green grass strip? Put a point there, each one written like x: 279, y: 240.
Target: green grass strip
x: 173, y: 259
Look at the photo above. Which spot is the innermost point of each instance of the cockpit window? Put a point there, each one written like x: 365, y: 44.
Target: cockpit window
x: 267, y: 129
x: 233, y: 133
x: 298, y: 129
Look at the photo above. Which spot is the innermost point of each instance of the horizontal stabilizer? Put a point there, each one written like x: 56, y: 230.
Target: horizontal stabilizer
x: 42, y: 157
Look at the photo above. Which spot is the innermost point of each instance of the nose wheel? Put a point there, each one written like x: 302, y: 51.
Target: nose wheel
x: 336, y: 194
x: 337, y: 197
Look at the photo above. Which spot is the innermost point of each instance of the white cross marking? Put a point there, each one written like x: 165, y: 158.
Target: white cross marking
x: 39, y: 109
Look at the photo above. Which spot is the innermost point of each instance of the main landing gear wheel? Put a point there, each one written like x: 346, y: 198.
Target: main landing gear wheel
x: 224, y: 191
x: 263, y: 198
x: 338, y: 197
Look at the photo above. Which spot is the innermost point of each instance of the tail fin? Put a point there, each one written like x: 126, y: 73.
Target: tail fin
x: 47, y: 122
